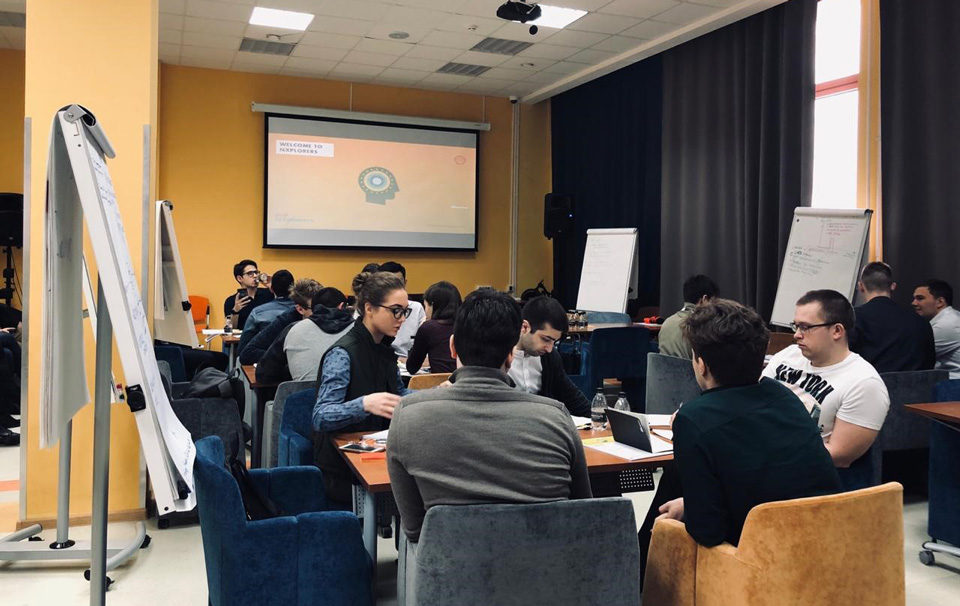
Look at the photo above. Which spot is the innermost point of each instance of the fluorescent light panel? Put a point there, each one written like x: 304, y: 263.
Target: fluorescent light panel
x: 272, y: 17
x: 558, y: 17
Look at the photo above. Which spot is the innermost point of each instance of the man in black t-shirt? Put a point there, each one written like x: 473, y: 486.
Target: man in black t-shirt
x: 886, y: 334
x: 248, y: 297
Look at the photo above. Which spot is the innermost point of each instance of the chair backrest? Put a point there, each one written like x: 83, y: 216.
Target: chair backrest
x: 284, y: 390
x: 166, y: 376
x: 670, y: 381
x: 428, y: 381
x: 564, y: 552
x: 947, y: 391
x: 779, y: 341
x: 620, y: 353
x: 173, y: 355
x: 901, y: 429
x: 298, y: 413
x: 200, y: 310
x: 218, y: 496
x: 607, y: 317
x: 851, y: 543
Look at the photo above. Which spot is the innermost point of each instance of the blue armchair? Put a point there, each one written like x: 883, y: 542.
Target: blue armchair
x: 943, y: 521
x: 294, y: 444
x: 308, y: 556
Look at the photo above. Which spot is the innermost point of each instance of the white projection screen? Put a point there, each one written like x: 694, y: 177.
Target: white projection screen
x: 342, y: 184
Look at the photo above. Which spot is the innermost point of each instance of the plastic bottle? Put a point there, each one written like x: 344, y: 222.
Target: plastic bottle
x: 622, y: 403
x: 228, y: 327
x: 598, y: 410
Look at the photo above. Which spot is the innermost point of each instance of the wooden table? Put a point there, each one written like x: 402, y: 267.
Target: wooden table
x: 375, y: 480
x: 589, y: 328
x: 948, y: 412
x: 230, y: 344
x: 249, y: 374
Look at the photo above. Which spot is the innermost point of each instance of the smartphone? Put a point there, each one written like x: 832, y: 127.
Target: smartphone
x: 358, y: 447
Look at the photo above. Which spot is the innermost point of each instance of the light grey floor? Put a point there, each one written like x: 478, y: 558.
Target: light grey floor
x: 171, y: 570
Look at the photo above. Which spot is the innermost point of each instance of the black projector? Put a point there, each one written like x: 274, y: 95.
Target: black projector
x: 517, y: 10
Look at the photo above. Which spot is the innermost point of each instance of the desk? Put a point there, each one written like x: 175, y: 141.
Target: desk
x: 249, y: 374
x: 230, y: 344
x: 943, y: 520
x: 374, y: 494
x: 589, y: 328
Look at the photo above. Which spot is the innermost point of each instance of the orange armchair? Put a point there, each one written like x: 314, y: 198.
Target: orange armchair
x: 839, y: 549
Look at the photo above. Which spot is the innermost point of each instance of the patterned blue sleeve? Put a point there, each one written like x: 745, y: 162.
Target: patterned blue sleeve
x: 330, y: 412
x: 404, y: 390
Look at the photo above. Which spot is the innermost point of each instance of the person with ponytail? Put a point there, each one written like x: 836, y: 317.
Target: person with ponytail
x: 359, y: 380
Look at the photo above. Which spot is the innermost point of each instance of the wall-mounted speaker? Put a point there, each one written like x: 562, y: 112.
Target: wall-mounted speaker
x: 558, y: 214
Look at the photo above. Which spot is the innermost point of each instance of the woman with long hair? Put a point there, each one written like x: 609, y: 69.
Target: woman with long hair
x: 441, y: 302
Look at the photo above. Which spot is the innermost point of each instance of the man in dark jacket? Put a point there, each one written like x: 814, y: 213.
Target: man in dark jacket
x: 302, y: 295
x: 296, y: 352
x: 537, y: 367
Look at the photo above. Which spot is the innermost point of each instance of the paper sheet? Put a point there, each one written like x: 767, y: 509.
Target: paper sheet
x: 663, y: 433
x: 624, y: 452
x: 582, y: 422
x: 658, y: 420
x: 379, y: 436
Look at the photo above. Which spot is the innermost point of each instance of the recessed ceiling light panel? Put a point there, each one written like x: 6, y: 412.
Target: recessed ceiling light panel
x: 558, y: 17
x: 272, y: 17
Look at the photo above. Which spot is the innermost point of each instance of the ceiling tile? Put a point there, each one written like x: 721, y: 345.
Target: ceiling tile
x: 426, y: 65
x: 478, y: 87
x: 452, y: 40
x: 354, y: 69
x: 196, y: 52
x: 211, y: 40
x: 300, y: 73
x: 261, y: 32
x: 591, y: 57
x: 503, y: 73
x: 309, y: 65
x: 18, y: 44
x: 364, y: 10
x: 453, y: 79
x: 549, y: 51
x: 543, y: 77
x: 478, y: 58
x: 649, y: 30
x: 480, y: 8
x: 169, y: 59
x: 255, y: 68
x: 218, y: 10
x: 173, y: 6
x: 687, y: 13
x: 319, y: 52
x: 487, y: 84
x: 521, y: 33
x: 434, y: 86
x: 171, y: 36
x: 405, y: 15
x: 521, y: 88
x: 449, y: 6
x: 206, y: 62
x: 528, y: 64
x: 330, y: 40
x: 579, y: 39
x: 169, y: 50
x: 349, y: 78
x: 438, y: 53
x: 384, y: 47
x: 402, y: 75
x: 214, y: 26
x: 171, y: 21
x: 259, y: 59
x: 14, y: 33
x: 719, y: 3
x: 638, y: 8
x: 300, y: 6
x: 617, y: 44
x: 415, y: 33
x: 564, y: 68
x: 585, y: 5
x: 603, y: 24
x: 462, y: 23
x: 338, y: 25
x: 363, y: 58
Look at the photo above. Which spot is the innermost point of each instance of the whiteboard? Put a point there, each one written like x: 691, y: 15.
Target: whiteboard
x: 172, y: 319
x: 83, y: 182
x: 826, y: 250
x: 609, y: 274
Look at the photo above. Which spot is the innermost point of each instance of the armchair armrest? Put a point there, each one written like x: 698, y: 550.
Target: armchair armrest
x: 724, y: 577
x: 301, y: 450
x: 295, y: 490
x: 671, y: 578
x: 332, y: 556
x: 258, y: 550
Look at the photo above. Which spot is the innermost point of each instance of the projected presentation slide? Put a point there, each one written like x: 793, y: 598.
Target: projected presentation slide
x: 345, y: 184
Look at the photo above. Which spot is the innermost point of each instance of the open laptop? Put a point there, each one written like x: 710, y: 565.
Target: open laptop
x: 631, y: 428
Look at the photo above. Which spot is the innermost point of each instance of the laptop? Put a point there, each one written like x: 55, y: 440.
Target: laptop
x: 630, y: 428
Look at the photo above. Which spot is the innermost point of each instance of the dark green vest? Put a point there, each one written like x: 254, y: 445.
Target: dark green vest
x: 373, y: 368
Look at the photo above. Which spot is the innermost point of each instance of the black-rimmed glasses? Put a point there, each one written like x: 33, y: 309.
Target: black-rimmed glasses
x: 397, y: 311
x: 805, y: 328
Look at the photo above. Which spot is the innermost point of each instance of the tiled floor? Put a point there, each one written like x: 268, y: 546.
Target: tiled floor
x: 9, y: 488
x: 171, y: 570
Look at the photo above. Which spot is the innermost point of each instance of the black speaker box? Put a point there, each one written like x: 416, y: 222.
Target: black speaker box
x: 11, y: 220
x: 557, y: 214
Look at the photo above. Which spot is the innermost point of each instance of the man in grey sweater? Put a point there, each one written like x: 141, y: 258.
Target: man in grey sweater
x: 481, y: 440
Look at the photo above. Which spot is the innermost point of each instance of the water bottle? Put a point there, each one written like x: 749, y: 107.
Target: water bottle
x: 622, y: 403
x: 228, y: 327
x: 598, y: 410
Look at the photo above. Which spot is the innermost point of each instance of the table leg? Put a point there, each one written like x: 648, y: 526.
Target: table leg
x: 256, y: 422
x: 232, y: 357
x: 370, y: 526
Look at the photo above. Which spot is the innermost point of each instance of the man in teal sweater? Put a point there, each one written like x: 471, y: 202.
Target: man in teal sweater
x: 743, y: 442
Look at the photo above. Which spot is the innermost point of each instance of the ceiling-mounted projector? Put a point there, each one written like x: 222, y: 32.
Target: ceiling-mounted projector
x: 520, y: 11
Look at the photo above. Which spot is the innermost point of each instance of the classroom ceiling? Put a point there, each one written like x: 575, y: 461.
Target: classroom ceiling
x: 356, y: 40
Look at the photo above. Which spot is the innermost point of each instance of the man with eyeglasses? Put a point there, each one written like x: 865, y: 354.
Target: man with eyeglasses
x: 842, y: 392
x: 248, y: 297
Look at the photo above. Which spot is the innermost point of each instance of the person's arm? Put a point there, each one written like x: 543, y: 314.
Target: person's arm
x: 849, y: 442
x: 331, y: 412
x: 859, y: 419
x: 929, y: 348
x: 579, y: 476
x: 404, y: 390
x: 418, y: 353
x: 404, y: 486
x: 272, y: 367
x: 260, y: 339
x: 704, y: 508
x: 563, y: 388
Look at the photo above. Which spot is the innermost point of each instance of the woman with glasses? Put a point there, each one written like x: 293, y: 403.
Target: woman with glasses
x: 441, y: 302
x: 359, y: 383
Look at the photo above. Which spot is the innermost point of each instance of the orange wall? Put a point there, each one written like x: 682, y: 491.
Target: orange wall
x: 211, y: 168
x: 11, y: 136
x: 534, y: 251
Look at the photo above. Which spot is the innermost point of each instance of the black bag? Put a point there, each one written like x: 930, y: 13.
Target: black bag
x: 256, y: 505
x: 211, y: 382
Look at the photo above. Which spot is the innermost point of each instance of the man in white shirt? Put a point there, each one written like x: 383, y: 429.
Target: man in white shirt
x: 933, y: 300
x: 843, y: 392
x: 408, y: 330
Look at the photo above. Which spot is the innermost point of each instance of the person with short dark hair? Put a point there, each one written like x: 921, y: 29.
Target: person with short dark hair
x: 537, y: 367
x: 440, y: 302
x: 281, y: 284
x: 841, y: 390
x: 933, y: 301
x: 887, y: 335
x: 255, y: 341
x: 238, y: 306
x: 742, y: 442
x: 697, y: 290
x: 459, y: 444
x: 360, y: 383
x: 404, y: 339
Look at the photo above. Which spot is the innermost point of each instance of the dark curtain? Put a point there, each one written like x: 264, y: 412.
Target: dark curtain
x: 606, y: 153
x: 920, y: 125
x: 737, y: 153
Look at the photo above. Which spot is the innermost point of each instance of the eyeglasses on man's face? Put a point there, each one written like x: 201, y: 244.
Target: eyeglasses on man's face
x: 251, y: 273
x: 805, y: 328
x: 397, y: 311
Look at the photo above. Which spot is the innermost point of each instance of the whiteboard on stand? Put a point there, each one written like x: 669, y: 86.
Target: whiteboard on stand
x: 609, y: 275
x: 172, y: 318
x: 826, y: 250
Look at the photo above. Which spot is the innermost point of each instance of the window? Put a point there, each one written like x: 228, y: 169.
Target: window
x: 836, y: 115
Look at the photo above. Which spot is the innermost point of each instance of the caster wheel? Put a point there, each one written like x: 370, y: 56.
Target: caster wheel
x: 146, y: 542
x: 109, y: 582
x: 163, y: 524
x: 86, y: 574
x: 35, y: 539
x: 926, y: 558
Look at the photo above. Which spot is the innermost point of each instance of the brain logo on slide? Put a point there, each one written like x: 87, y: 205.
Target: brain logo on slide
x: 378, y: 184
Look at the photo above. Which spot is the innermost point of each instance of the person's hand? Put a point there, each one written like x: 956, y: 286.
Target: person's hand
x: 8, y: 330
x: 672, y: 510
x: 381, y: 404
x: 446, y: 383
x: 672, y: 417
x: 240, y: 301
